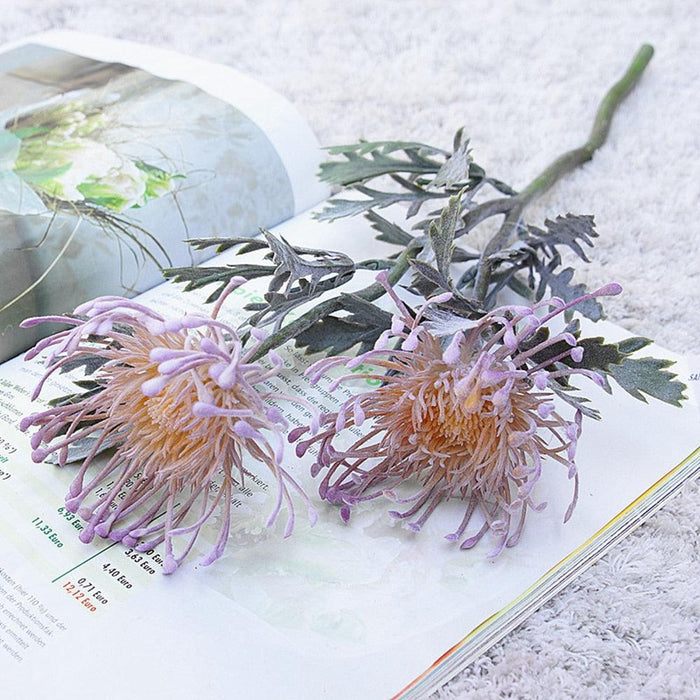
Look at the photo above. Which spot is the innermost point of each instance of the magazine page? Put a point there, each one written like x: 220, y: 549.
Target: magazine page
x: 112, y: 155
x: 342, y: 610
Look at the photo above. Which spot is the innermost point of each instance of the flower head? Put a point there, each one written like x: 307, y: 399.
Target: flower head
x: 472, y: 419
x: 180, y: 399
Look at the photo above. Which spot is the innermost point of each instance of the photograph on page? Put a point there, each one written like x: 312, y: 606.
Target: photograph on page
x: 107, y: 171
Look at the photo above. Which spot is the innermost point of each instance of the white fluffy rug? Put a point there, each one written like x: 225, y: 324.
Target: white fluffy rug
x: 525, y: 79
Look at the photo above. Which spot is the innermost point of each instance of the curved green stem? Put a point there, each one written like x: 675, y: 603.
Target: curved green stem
x: 562, y: 165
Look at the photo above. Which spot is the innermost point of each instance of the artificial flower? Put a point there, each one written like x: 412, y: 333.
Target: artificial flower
x: 471, y: 418
x: 183, y: 405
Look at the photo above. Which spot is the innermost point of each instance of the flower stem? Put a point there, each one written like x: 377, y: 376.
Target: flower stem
x: 562, y: 165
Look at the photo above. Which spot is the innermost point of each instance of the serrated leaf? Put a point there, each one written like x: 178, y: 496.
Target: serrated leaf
x: 500, y: 280
x: 571, y: 231
x: 223, y: 244
x: 363, y: 147
x: 388, y: 232
x: 565, y: 393
x: 337, y: 208
x: 560, y: 285
x: 630, y: 345
x: 429, y: 273
x: 292, y: 268
x: 198, y: 277
x: 335, y: 335
x: 89, y: 363
x: 597, y: 354
x: 359, y: 168
x: 455, y: 169
x: 429, y: 281
x: 340, y: 208
x: 300, y: 275
x: 641, y: 376
x: 441, y: 234
x: 538, y: 252
x: 362, y: 311
x: 648, y: 375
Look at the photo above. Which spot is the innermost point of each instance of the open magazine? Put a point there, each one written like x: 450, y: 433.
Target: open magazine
x: 112, y: 156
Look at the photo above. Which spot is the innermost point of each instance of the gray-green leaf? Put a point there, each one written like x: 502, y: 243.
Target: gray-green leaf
x: 455, y: 169
x: 442, y: 233
x: 648, y: 375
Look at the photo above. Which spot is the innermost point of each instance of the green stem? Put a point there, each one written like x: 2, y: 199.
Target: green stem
x: 562, y: 165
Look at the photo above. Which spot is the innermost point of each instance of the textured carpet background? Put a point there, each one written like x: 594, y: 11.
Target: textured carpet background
x: 525, y: 79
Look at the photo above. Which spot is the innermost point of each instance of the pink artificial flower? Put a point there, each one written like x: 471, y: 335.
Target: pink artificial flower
x: 182, y: 402
x: 472, y: 420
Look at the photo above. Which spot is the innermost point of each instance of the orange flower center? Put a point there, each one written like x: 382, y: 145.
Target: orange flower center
x: 162, y: 431
x: 431, y: 424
